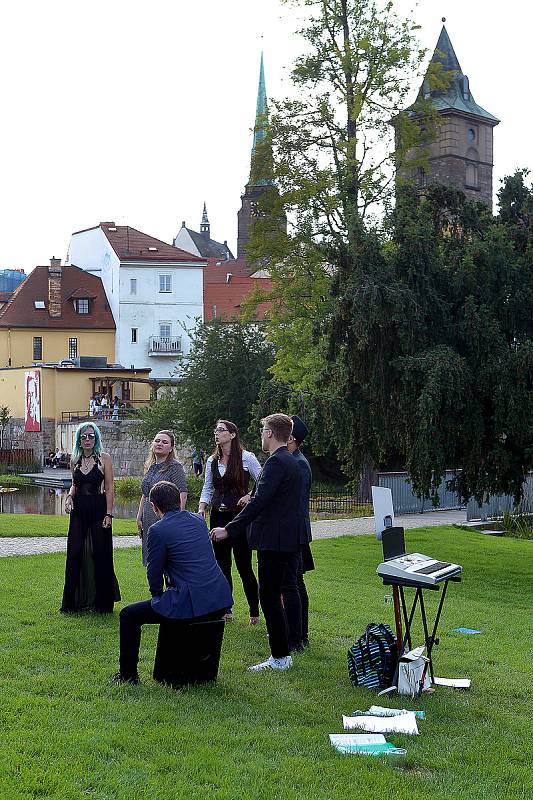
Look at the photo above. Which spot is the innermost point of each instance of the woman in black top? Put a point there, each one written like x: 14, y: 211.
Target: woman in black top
x: 90, y: 581
x: 227, y: 476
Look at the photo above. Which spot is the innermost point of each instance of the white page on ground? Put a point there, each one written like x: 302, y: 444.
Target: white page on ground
x: 403, y: 723
x: 355, y: 738
x: 457, y: 683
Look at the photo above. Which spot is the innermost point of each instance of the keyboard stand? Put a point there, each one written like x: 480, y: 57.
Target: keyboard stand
x: 430, y: 640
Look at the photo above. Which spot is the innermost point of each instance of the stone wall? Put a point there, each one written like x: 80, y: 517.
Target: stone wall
x: 41, y: 443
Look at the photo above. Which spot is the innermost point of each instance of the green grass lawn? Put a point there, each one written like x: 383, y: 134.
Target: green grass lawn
x: 52, y: 525
x: 66, y: 733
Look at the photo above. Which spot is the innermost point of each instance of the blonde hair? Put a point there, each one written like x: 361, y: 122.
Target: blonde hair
x: 280, y: 425
x: 172, y: 456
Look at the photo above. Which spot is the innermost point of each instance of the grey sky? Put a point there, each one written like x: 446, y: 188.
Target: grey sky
x: 138, y: 112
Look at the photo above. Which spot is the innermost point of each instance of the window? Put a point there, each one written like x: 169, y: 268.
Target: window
x: 133, y: 285
x: 37, y: 348
x: 134, y: 335
x: 472, y: 169
x: 165, y: 283
x: 73, y: 348
x: 39, y: 304
x: 164, y: 330
x: 82, y: 306
x: 471, y: 135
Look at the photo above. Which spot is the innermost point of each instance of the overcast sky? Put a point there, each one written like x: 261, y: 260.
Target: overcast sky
x: 137, y: 112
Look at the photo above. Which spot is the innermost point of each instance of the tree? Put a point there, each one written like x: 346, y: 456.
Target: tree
x: 226, y: 365
x: 431, y: 345
x: 333, y: 156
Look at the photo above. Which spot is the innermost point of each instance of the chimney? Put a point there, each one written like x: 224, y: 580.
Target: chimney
x: 55, y: 271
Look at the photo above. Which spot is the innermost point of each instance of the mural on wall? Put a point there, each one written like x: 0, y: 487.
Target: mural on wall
x: 32, y: 420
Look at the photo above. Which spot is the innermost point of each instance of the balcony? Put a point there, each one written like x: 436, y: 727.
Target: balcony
x: 164, y: 346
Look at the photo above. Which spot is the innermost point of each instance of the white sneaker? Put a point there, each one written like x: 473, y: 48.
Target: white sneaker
x: 273, y: 663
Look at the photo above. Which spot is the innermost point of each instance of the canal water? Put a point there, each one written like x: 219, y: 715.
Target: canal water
x: 47, y: 500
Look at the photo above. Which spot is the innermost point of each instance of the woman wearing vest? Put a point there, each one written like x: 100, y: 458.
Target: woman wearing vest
x: 226, y: 484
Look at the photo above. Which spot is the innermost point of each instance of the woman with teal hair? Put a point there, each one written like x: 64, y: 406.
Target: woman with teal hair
x: 90, y: 581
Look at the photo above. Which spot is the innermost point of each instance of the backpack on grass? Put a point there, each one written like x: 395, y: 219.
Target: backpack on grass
x: 373, y: 658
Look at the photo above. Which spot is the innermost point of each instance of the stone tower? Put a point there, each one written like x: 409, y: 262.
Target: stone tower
x: 256, y: 186
x: 462, y: 154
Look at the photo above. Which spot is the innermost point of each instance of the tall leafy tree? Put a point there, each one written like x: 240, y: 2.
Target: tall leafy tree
x: 333, y: 154
x: 431, y: 344
x: 226, y: 366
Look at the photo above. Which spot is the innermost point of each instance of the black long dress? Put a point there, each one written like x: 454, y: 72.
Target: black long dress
x: 90, y: 580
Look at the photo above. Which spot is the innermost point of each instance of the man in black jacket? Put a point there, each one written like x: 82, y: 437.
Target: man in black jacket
x: 273, y: 517
x: 299, y: 630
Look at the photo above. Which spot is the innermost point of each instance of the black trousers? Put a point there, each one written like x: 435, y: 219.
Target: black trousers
x: 272, y: 567
x: 297, y: 609
x: 132, y: 618
x: 243, y: 559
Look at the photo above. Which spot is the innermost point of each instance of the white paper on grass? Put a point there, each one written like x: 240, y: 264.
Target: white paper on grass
x: 457, y: 683
x: 403, y: 723
x: 355, y: 739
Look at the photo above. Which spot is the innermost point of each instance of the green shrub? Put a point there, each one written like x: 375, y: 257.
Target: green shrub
x: 127, y: 488
x: 518, y: 526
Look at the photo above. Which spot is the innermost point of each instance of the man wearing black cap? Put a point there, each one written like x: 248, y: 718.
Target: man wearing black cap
x: 299, y: 636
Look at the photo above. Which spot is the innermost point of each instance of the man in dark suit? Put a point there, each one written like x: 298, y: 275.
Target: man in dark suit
x: 180, y: 552
x: 299, y: 635
x: 272, y: 515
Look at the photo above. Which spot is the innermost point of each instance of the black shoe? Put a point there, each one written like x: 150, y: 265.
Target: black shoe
x: 118, y: 677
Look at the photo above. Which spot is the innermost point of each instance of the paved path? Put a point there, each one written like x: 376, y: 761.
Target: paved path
x: 322, y: 529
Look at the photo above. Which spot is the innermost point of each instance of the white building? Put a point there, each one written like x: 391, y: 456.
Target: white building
x: 154, y: 290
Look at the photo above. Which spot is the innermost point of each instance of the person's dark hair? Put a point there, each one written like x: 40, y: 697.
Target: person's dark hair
x: 280, y: 425
x: 234, y: 476
x: 166, y: 496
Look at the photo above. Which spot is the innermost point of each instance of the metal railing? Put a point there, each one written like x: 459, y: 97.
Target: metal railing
x: 164, y: 345
x: 114, y: 415
x: 338, y: 503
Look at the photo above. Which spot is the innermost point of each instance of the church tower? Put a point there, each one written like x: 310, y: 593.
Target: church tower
x: 256, y: 186
x: 461, y: 155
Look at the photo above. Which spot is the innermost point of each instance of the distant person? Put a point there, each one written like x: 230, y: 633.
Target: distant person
x: 58, y: 457
x: 90, y: 581
x: 104, y: 404
x: 97, y: 406
x: 180, y: 554
x: 92, y: 407
x: 115, y: 409
x: 197, y: 461
x: 161, y: 465
x: 226, y: 484
x: 49, y: 460
x: 299, y: 634
x: 271, y: 520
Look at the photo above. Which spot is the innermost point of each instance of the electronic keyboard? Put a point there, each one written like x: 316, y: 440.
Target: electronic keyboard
x: 415, y: 568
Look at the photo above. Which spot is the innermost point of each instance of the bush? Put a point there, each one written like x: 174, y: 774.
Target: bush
x: 519, y: 526
x: 127, y: 488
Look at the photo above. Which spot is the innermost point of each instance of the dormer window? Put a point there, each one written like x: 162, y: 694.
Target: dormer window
x: 82, y: 305
x: 466, y: 88
x: 39, y: 304
x: 152, y: 249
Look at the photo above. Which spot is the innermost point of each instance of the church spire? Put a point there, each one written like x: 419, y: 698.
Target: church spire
x: 261, y: 110
x: 205, y: 227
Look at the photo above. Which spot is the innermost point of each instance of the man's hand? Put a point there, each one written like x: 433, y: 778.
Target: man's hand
x: 218, y: 534
x: 245, y: 499
x: 140, y: 526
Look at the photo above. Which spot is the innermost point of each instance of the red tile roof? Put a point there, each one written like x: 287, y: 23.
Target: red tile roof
x: 20, y: 311
x: 132, y: 245
x: 228, y: 297
x: 216, y: 270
